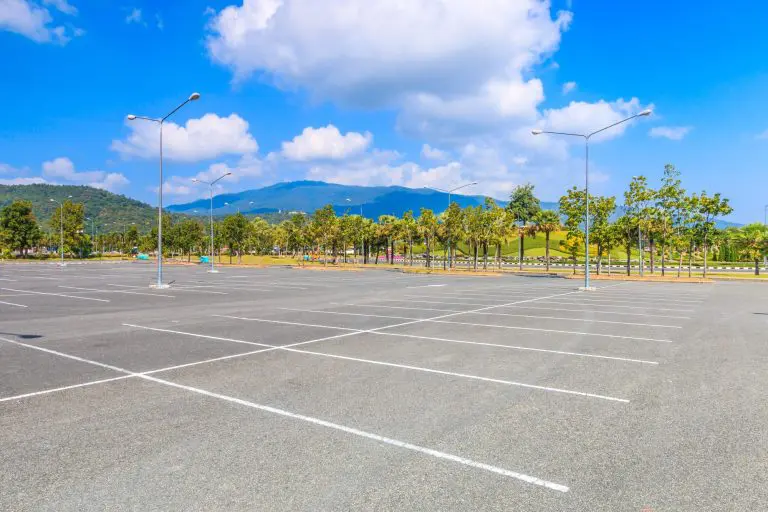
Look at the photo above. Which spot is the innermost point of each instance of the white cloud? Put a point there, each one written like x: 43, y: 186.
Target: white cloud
x: 431, y: 153
x: 159, y: 21
x: 568, y: 87
x: 32, y: 21
x: 325, y: 143
x: 62, y: 6
x: 9, y: 169
x: 199, y: 139
x: 670, y: 132
x: 247, y: 168
x: 585, y: 118
x: 64, y: 169
x: 377, y: 52
x: 135, y: 16
x: 23, y: 181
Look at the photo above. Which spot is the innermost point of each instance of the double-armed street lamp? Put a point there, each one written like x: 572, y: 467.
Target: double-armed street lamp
x: 210, y: 188
x: 586, y: 138
x: 193, y: 97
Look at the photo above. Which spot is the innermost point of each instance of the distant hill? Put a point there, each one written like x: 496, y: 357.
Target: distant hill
x: 110, y: 211
x: 307, y: 196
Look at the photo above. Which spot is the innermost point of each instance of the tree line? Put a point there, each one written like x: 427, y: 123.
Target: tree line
x: 666, y: 221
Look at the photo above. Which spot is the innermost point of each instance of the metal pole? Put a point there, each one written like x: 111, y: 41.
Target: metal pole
x: 586, y: 230
x: 449, y: 234
x: 213, y: 270
x: 362, y: 233
x: 160, y: 217
x: 640, y: 246
x: 61, y: 221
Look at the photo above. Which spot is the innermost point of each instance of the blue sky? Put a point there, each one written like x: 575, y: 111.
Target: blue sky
x: 383, y: 92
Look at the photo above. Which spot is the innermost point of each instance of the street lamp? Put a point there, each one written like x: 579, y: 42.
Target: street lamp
x: 61, y: 222
x: 93, y: 240
x: 586, y: 138
x: 449, y: 192
x: 210, y: 188
x: 193, y: 97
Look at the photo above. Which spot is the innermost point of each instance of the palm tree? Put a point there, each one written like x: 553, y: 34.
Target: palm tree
x: 752, y: 242
x: 427, y: 227
x: 547, y: 221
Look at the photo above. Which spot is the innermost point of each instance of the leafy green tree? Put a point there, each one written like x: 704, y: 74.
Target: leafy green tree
x: 670, y: 205
x: 324, y: 228
x: 235, y: 231
x: 638, y: 200
x: 262, y: 237
x: 600, y: 211
x: 453, y: 220
x: 428, y: 230
x: 710, y: 207
x: 73, y: 222
x: 624, y: 233
x: 410, y: 232
x: 18, y: 227
x: 187, y: 235
x: 547, y: 222
x: 524, y: 206
x: 752, y: 243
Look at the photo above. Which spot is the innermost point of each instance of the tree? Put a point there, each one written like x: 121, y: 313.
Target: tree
x: 573, y: 206
x: 261, y: 236
x: 18, y: 227
x: 624, y: 233
x: 547, y: 221
x: 235, y: 231
x: 410, y: 232
x: 427, y: 229
x: 710, y: 207
x: 600, y: 211
x: 524, y: 206
x: 187, y: 234
x: 323, y: 228
x: 73, y: 221
x: 453, y: 219
x: 752, y: 243
x: 637, y: 204
x: 670, y: 204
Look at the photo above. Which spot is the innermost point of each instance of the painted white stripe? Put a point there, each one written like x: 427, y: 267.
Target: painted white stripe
x: 490, y: 296
x: 537, y: 329
x: 13, y: 304
x: 516, y: 347
x: 290, y: 348
x: 587, y: 320
x: 604, y: 312
x: 64, y: 388
x: 250, y: 319
x: 572, y: 303
x: 116, y: 291
x: 427, y: 286
x: 334, y: 426
x: 5, y: 279
x: 180, y: 288
x: 55, y: 295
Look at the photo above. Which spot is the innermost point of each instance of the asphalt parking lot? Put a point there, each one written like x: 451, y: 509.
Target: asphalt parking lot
x: 286, y: 389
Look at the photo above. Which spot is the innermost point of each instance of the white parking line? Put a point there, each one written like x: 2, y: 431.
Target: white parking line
x: 63, y: 388
x: 55, y: 295
x: 572, y: 303
x: 591, y: 298
x: 604, y: 312
x: 116, y: 291
x: 474, y: 324
x: 587, y: 320
x: 327, y: 424
x: 13, y: 304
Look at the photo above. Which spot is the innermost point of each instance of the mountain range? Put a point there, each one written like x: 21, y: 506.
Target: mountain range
x: 308, y: 196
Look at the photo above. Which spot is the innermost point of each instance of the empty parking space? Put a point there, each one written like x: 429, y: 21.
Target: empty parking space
x: 300, y: 389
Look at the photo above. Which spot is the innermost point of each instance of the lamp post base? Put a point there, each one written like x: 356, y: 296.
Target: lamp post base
x: 213, y: 271
x: 161, y: 286
x: 587, y: 289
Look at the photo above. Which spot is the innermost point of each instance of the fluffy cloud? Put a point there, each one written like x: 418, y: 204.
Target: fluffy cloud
x: 431, y: 153
x: 33, y: 21
x: 326, y: 142
x: 63, y: 168
x: 582, y: 117
x: 22, y: 181
x: 246, y: 168
x: 378, y: 51
x: 670, y: 132
x: 568, y: 87
x: 135, y: 16
x: 63, y: 6
x: 200, y: 139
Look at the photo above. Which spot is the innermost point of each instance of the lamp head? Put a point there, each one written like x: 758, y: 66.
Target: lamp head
x: 536, y: 131
x: 645, y: 112
x: 52, y: 200
x: 131, y: 117
x: 195, y: 180
x: 194, y: 96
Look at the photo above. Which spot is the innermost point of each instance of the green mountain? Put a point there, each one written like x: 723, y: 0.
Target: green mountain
x: 109, y: 211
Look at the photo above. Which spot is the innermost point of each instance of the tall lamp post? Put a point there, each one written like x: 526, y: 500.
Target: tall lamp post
x: 449, y: 192
x: 93, y: 239
x: 61, y: 227
x: 193, y: 97
x: 586, y: 138
x: 210, y: 188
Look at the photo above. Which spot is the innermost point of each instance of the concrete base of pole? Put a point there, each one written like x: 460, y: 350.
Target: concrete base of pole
x: 162, y: 286
x: 587, y: 289
x: 213, y: 271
